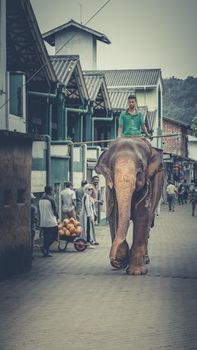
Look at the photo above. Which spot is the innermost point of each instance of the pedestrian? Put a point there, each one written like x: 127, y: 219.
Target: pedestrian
x: 183, y: 190
x: 79, y: 195
x: 180, y: 192
x: 68, y: 201
x: 87, y: 216
x: 131, y: 122
x: 97, y: 197
x: 48, y: 220
x: 33, y: 221
x: 186, y: 191
x: 171, y: 195
x: 191, y: 187
x: 194, y: 198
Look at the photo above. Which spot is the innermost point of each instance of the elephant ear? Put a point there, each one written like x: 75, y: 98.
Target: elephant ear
x: 102, y: 167
x: 156, y: 162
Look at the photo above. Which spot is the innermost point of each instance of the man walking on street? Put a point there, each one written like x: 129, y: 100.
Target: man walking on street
x: 97, y: 196
x: 48, y: 220
x: 171, y: 195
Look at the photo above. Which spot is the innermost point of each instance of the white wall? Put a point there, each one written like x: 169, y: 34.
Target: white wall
x: 192, y: 147
x: 82, y: 44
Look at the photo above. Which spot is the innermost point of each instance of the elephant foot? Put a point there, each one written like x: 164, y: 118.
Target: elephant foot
x: 119, y: 255
x: 146, y: 259
x: 119, y: 264
x: 136, y: 270
x: 137, y: 261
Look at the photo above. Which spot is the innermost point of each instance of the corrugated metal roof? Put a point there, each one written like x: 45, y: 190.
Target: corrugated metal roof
x: 25, y: 48
x: 96, y: 83
x: 119, y: 98
x: 50, y: 35
x: 93, y: 83
x: 131, y: 77
x: 64, y: 67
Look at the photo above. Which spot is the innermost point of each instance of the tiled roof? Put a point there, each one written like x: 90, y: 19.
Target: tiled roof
x: 64, y: 67
x: 50, y: 35
x: 95, y: 83
x: 131, y: 77
x: 25, y: 49
x: 119, y: 98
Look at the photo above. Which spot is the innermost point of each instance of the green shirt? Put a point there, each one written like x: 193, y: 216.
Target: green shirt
x: 131, y: 123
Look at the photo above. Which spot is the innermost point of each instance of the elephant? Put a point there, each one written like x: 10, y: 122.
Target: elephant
x: 134, y: 176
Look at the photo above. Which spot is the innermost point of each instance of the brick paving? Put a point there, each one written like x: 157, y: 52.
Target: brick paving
x: 76, y: 301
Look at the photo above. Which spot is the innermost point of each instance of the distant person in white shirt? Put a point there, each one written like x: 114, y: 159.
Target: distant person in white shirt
x: 171, y: 195
x: 48, y: 220
x: 68, y: 199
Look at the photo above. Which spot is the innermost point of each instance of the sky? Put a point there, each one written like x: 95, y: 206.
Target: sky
x: 143, y: 33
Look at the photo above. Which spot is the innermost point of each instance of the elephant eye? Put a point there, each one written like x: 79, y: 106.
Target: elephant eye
x: 140, y: 164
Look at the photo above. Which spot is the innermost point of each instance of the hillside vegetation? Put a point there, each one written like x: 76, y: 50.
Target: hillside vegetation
x: 180, y: 99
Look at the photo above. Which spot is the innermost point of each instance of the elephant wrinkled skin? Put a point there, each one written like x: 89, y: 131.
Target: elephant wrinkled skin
x: 133, y: 170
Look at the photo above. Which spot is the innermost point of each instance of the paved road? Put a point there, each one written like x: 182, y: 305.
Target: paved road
x: 76, y: 301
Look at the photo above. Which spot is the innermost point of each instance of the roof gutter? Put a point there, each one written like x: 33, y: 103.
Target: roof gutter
x: 42, y: 94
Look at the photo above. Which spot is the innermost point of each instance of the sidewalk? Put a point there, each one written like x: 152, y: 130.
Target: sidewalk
x: 76, y: 301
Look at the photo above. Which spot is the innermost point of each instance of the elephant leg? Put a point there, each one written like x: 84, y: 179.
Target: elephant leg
x: 146, y: 256
x: 122, y: 255
x: 139, y: 251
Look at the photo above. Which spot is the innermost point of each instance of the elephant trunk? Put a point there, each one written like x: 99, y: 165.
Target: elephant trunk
x: 124, y: 183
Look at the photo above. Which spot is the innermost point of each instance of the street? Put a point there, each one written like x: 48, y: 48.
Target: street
x: 77, y: 301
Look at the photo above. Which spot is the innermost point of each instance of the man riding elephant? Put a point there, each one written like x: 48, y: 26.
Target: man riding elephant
x: 131, y: 122
x: 133, y: 170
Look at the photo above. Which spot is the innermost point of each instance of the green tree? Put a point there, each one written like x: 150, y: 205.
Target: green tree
x: 180, y: 99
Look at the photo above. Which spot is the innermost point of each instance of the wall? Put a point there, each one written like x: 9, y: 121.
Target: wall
x: 81, y: 44
x: 147, y: 97
x: 192, y: 147
x: 60, y: 164
x: 38, y: 174
x: 175, y: 145
x: 15, y: 212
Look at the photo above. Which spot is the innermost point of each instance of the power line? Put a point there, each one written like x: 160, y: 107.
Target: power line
x: 76, y: 33
x: 44, y: 65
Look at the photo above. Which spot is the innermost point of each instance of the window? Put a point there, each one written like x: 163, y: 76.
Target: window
x: 16, y: 83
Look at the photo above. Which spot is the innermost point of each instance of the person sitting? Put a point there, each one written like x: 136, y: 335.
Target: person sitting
x: 131, y: 122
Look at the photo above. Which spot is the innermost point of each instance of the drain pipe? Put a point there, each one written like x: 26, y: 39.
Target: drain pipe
x: 48, y: 159
x: 76, y: 110
x: 42, y: 94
